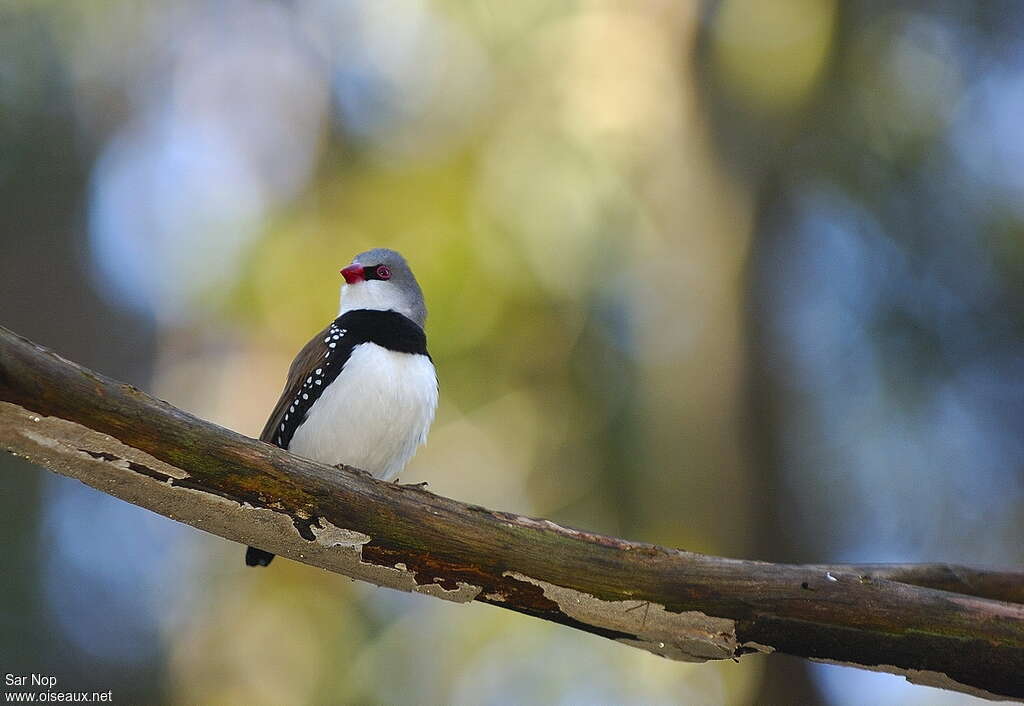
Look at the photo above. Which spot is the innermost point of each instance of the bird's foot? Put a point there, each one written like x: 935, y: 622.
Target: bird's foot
x: 419, y: 486
x: 360, y: 471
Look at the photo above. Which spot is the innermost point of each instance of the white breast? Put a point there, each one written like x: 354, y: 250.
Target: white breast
x: 374, y: 415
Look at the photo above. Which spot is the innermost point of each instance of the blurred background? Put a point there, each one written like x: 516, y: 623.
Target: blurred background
x: 743, y: 278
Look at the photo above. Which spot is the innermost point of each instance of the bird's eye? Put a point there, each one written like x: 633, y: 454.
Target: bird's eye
x: 383, y: 272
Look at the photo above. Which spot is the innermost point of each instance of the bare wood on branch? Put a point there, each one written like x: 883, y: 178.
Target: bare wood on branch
x: 947, y: 626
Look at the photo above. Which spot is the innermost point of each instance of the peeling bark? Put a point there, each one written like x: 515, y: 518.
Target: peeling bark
x: 688, y: 636
x: 947, y: 626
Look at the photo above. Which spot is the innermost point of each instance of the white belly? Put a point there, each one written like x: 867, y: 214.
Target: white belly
x: 375, y: 413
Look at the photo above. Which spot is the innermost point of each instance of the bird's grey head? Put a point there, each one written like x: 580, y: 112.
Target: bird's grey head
x: 381, y: 279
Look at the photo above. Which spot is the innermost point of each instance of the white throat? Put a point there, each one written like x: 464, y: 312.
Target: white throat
x: 374, y: 294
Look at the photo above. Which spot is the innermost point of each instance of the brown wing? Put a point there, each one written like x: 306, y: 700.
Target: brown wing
x: 304, y: 362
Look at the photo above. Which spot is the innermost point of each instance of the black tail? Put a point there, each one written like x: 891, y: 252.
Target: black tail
x: 257, y: 557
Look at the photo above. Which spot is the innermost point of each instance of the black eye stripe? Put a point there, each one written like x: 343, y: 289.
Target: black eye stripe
x: 373, y: 272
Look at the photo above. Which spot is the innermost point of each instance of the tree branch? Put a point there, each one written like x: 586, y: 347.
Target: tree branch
x: 941, y: 625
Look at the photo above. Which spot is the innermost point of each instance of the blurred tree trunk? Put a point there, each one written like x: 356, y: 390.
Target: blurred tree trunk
x: 786, y: 680
x: 43, y: 176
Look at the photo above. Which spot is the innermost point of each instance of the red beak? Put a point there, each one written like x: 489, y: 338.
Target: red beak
x: 353, y: 274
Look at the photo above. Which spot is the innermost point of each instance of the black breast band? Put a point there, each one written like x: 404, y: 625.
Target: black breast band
x: 387, y: 329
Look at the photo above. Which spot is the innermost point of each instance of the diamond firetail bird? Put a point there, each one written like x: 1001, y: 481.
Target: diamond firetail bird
x: 363, y: 391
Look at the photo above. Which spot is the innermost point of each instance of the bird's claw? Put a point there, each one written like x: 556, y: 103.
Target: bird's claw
x: 418, y: 486
x: 360, y: 471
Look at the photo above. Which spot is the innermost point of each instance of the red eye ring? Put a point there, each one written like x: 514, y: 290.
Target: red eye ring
x: 383, y: 272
